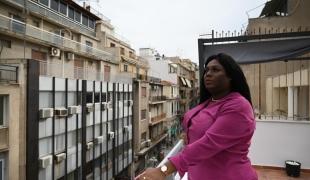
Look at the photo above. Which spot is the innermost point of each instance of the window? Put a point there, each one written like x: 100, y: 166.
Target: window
x: 85, y: 20
x: 71, y: 13
x: 143, y: 114
x: 77, y: 16
x: 143, y: 137
x: 143, y: 91
x: 18, y: 24
x: 1, y: 169
x: 5, y: 43
x: 122, y: 51
x: 91, y: 23
x: 63, y: 8
x: 3, y: 109
x: 107, y: 71
x: 88, y: 43
x: 125, y: 67
x: 54, y: 4
x: 45, y: 2
x: 112, y: 45
x: 36, y: 23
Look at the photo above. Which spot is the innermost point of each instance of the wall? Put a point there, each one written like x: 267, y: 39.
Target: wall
x: 277, y: 141
x: 298, y: 16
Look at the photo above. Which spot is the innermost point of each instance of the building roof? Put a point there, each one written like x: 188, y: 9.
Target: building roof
x: 82, y: 9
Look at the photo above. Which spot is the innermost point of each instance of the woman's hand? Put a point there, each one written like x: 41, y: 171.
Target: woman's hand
x: 184, y: 137
x: 151, y: 174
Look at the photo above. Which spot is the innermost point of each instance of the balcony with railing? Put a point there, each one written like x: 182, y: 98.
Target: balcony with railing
x: 54, y: 16
x: 157, y: 119
x: 36, y: 34
x: 158, y: 98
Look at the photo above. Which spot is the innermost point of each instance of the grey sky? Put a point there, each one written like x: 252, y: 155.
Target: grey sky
x: 173, y: 26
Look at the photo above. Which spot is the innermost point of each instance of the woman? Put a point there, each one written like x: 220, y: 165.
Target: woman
x: 219, y: 130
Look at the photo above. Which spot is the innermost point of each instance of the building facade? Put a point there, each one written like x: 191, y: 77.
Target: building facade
x: 280, y: 89
x: 65, y: 110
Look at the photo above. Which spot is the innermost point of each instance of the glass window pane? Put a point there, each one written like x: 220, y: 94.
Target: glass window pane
x: 91, y: 23
x: 1, y: 110
x: 71, y: 13
x: 45, y: 2
x: 63, y: 8
x: 85, y: 20
x: 77, y: 16
x: 54, y: 4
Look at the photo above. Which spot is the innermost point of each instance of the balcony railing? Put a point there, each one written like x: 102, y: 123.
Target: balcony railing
x: 8, y: 73
x: 158, y: 118
x: 57, y: 17
x: 33, y: 32
x: 177, y: 148
x: 158, y: 98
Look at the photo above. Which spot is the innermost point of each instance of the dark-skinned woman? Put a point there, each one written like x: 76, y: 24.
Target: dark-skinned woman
x: 218, y: 131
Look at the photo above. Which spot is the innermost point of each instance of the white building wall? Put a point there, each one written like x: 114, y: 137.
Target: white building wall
x: 276, y: 141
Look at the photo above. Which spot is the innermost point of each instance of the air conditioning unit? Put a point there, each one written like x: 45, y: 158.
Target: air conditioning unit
x: 74, y: 110
x: 55, y: 52
x: 46, y: 113
x: 89, y: 107
x: 89, y: 145
x: 45, y: 161
x: 60, y: 157
x: 111, y: 135
x: 61, y: 112
x: 70, y: 56
x: 126, y: 129
x: 148, y: 143
x: 99, y: 140
x: 104, y: 106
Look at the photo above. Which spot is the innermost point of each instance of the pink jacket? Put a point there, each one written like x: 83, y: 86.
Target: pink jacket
x: 219, y: 138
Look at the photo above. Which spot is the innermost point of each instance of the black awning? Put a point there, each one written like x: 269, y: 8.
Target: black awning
x: 260, y: 51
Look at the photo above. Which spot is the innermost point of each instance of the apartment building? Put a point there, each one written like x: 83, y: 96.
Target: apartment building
x: 65, y: 110
x: 162, y: 122
x: 188, y: 83
x: 280, y: 89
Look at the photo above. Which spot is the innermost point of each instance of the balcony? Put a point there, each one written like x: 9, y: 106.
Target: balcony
x: 4, y: 138
x: 157, y: 119
x: 158, y: 98
x: 8, y: 73
x: 274, y: 142
x: 32, y: 33
x: 47, y: 13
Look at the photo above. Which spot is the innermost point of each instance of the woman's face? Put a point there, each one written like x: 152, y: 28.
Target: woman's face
x: 215, y: 78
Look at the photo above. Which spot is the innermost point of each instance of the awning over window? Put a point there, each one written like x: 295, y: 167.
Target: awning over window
x: 183, y: 81
x: 188, y: 83
x: 260, y: 51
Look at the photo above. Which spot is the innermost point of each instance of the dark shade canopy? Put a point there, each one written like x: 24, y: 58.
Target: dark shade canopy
x: 260, y: 50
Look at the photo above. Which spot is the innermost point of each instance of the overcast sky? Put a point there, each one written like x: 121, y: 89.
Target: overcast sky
x: 173, y: 26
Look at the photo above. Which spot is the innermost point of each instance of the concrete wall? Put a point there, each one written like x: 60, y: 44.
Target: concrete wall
x: 277, y: 141
x: 265, y: 79
x: 298, y: 17
x: 16, y: 125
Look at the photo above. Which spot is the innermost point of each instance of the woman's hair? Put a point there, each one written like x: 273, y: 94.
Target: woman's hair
x: 233, y: 71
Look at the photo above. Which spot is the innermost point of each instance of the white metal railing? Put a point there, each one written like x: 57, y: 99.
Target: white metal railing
x: 51, y: 38
x: 177, y: 148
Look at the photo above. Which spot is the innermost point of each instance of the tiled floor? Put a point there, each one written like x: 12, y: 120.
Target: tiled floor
x: 278, y: 174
